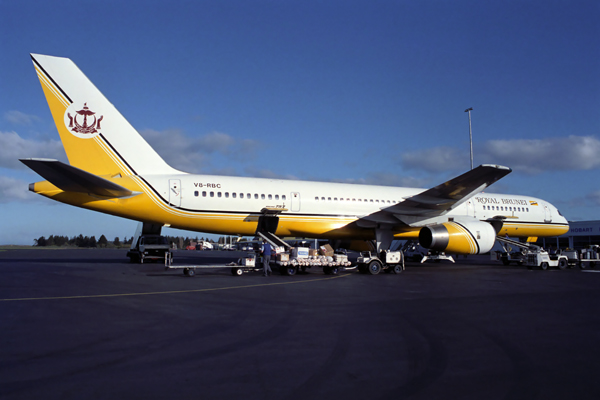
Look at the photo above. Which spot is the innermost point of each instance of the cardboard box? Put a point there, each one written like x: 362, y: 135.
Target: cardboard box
x: 249, y: 262
x: 283, y: 257
x: 326, y: 250
x: 313, y: 252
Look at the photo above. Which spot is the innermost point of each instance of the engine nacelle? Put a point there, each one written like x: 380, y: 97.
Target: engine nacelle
x: 465, y: 237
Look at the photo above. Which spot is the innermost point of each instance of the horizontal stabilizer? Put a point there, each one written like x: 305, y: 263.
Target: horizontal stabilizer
x: 71, y: 179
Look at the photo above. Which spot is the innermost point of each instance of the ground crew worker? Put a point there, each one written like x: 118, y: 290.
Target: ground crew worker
x: 266, y: 255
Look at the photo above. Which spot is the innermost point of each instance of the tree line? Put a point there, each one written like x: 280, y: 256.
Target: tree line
x: 91, y: 241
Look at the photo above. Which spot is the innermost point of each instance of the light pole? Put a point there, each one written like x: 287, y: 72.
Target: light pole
x: 468, y: 110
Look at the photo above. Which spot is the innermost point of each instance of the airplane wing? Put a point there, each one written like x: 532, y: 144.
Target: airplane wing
x: 71, y: 179
x: 442, y: 198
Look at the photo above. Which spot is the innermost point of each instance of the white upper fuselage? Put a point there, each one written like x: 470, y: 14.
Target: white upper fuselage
x: 209, y: 193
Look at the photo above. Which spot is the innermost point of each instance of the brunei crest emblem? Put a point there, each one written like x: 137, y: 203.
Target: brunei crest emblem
x: 82, y: 123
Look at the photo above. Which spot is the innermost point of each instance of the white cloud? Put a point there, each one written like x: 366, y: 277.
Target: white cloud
x: 13, y: 147
x: 534, y: 156
x: 19, y: 118
x: 435, y: 159
x: 14, y: 190
x: 192, y: 154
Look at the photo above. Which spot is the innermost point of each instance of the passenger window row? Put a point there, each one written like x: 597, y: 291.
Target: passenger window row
x: 234, y: 195
x: 507, y: 208
x: 317, y: 198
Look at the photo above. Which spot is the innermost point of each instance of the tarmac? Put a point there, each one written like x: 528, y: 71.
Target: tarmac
x: 87, y: 324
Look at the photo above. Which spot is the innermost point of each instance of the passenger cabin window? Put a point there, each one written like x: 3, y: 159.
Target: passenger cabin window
x: 203, y: 194
x: 196, y: 193
x: 212, y: 194
x: 283, y: 197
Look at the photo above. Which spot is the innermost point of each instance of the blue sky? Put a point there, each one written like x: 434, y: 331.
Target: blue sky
x: 347, y: 91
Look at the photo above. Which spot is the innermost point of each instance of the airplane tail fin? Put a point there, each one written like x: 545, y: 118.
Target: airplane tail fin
x: 96, y: 137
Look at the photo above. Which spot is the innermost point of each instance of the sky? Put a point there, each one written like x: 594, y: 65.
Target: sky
x: 367, y: 92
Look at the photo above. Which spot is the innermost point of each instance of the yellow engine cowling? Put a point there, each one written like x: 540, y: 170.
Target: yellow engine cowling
x: 466, y: 237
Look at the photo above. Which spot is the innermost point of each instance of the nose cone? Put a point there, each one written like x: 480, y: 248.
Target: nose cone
x: 561, y: 221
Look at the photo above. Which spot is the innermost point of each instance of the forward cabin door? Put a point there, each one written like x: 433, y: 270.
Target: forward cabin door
x: 295, y: 201
x: 175, y: 192
x: 547, y: 214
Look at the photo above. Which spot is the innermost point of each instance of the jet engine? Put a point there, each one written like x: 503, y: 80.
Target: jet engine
x: 465, y: 237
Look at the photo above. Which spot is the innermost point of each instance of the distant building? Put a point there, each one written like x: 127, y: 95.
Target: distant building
x: 581, y: 234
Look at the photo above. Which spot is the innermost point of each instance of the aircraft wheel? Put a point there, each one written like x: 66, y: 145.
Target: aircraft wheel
x: 236, y: 271
x: 582, y: 265
x: 397, y: 269
x: 334, y: 270
x: 374, y: 267
x: 562, y: 263
x: 544, y: 266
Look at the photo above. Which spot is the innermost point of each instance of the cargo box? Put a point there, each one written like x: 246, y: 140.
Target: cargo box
x: 326, y: 250
x: 300, y: 252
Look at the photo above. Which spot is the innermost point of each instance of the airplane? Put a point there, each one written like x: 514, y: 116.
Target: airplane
x: 113, y: 170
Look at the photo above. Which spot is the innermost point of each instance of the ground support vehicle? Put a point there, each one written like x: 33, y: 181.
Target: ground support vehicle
x: 150, y: 247
x: 243, y: 265
x: 589, y: 257
x: 519, y: 257
x: 541, y: 258
x: 388, y: 261
x: 572, y: 257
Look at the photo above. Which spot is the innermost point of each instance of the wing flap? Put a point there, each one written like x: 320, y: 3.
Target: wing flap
x: 72, y: 179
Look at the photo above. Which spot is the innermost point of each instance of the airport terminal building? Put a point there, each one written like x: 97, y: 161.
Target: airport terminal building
x: 581, y: 234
